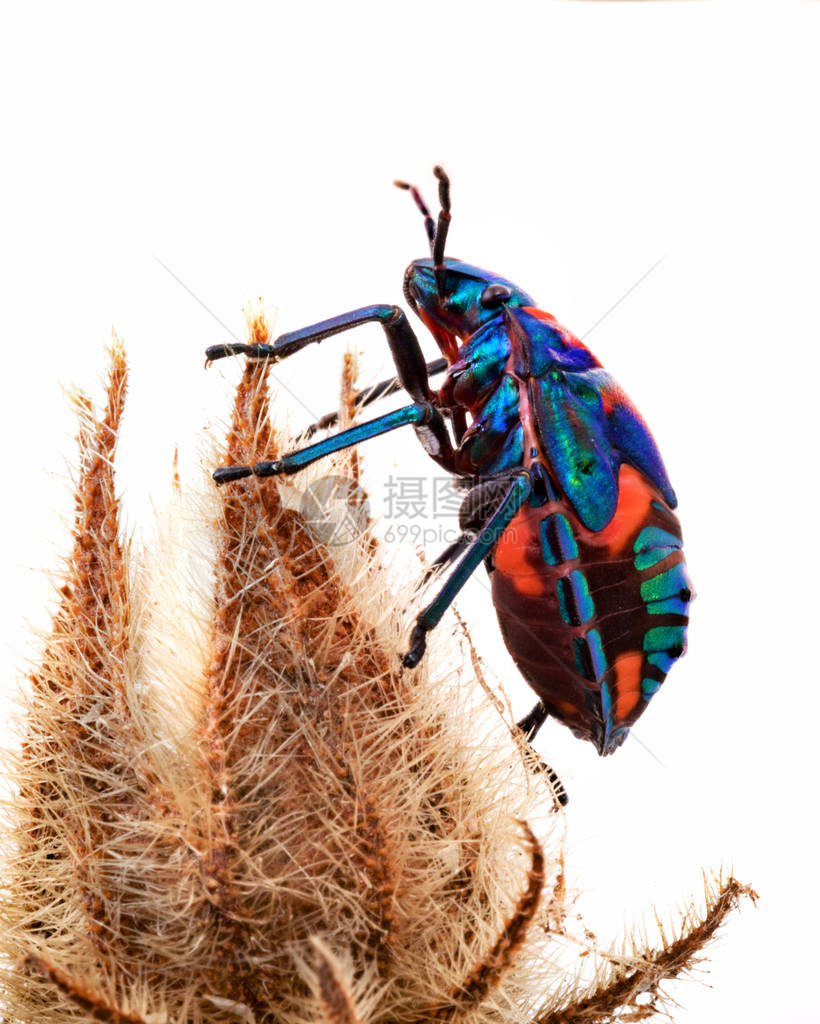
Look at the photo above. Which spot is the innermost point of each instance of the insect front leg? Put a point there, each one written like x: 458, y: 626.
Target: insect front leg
x: 404, y: 345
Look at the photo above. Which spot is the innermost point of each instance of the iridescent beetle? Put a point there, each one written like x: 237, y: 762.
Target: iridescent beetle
x: 567, y: 500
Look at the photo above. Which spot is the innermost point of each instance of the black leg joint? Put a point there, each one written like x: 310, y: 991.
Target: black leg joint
x: 404, y: 347
x: 532, y: 722
x: 225, y: 474
x: 215, y: 352
x: 418, y: 645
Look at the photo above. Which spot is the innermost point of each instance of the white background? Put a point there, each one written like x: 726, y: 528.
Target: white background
x: 251, y: 150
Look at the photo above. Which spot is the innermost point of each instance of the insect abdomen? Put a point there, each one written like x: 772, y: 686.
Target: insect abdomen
x: 594, y: 620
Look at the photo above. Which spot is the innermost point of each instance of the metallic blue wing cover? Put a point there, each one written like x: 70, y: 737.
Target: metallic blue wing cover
x: 589, y: 427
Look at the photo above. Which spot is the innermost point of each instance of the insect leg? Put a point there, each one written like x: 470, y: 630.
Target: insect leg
x: 404, y: 345
x: 532, y: 722
x: 449, y: 554
x: 481, y: 501
x: 370, y: 395
x: 558, y: 788
x: 421, y: 415
x: 517, y: 493
x: 529, y: 725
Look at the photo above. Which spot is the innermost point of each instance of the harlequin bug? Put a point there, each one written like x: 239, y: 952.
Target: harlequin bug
x: 568, y: 502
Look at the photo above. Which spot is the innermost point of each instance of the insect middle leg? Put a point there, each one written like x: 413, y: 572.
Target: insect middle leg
x: 422, y: 415
x: 367, y: 396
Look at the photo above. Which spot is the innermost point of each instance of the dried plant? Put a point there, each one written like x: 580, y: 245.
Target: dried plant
x: 232, y: 804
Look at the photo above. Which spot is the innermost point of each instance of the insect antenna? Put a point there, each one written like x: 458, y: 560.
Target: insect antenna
x: 436, y: 231
x: 429, y: 223
x: 442, y: 227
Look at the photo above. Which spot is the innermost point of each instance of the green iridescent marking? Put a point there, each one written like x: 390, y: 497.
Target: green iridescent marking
x: 653, y: 545
x: 668, y: 583
x: 665, y: 638
x: 575, y: 432
x: 590, y: 659
x: 574, y: 598
x: 612, y: 738
x: 669, y: 592
x: 671, y: 606
x: 510, y: 455
x: 583, y: 598
x: 557, y: 541
x: 661, y: 660
x: 654, y: 536
x: 596, y: 649
x: 649, y: 687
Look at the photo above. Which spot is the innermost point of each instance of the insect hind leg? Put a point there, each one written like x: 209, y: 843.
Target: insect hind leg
x: 559, y: 791
x: 531, y: 723
x: 480, y: 502
x: 517, y: 492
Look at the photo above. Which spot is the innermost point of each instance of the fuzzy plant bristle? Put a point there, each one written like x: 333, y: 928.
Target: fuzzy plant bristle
x: 232, y: 803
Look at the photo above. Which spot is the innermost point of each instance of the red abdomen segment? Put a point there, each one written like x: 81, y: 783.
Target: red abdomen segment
x: 594, y: 621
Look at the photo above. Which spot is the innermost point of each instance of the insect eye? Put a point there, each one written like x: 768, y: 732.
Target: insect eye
x: 494, y: 295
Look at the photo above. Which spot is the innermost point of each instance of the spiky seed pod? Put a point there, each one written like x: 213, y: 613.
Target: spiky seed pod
x: 232, y: 804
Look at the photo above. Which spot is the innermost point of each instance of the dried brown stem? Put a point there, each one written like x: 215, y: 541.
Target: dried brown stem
x: 86, y: 731
x: 334, y: 993
x: 95, y: 1005
x: 484, y: 976
x: 624, y: 989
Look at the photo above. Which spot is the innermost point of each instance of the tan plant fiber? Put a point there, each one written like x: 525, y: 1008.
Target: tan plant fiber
x: 232, y: 804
